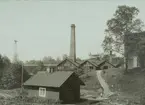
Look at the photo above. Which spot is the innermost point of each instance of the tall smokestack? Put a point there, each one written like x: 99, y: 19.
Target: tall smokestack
x: 73, y: 44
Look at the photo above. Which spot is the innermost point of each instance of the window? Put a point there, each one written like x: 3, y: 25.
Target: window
x: 105, y: 67
x: 91, y: 67
x: 42, y: 92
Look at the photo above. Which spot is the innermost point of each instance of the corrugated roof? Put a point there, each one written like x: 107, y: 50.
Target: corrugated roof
x: 46, y: 79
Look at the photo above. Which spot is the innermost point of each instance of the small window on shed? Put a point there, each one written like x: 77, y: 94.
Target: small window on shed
x: 91, y: 67
x: 42, y: 92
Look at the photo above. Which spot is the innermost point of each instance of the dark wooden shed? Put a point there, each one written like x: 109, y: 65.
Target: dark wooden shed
x: 60, y: 85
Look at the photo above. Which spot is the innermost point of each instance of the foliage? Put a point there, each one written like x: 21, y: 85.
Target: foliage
x: 29, y: 101
x: 48, y: 59
x: 79, y: 72
x: 64, y: 56
x: 12, y: 76
x: 124, y: 21
x: 58, y: 60
x: 40, y: 66
x: 35, y: 69
x: 4, y: 64
x: 23, y: 99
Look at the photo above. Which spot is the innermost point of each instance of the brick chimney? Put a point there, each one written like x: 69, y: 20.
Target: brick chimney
x: 73, y: 44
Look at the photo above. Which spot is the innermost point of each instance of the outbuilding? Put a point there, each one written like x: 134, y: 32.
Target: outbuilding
x: 59, y: 85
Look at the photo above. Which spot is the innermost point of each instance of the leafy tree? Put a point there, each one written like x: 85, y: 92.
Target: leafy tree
x: 40, y: 66
x: 124, y: 21
x: 12, y: 76
x: 58, y: 60
x: 48, y: 59
x: 4, y: 64
x: 1, y: 62
x: 6, y: 61
x: 64, y: 56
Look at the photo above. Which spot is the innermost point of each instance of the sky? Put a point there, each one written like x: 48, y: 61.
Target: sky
x: 42, y: 28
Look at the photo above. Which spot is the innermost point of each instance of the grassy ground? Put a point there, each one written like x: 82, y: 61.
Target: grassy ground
x: 91, y: 81
x: 92, y: 86
x: 128, y: 86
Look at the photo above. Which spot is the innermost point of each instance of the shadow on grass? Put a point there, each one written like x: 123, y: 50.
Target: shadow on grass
x: 82, y: 102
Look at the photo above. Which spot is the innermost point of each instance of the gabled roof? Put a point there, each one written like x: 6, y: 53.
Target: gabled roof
x: 94, y: 64
x: 46, y: 79
x: 80, y: 61
x: 74, y: 63
x: 105, y: 61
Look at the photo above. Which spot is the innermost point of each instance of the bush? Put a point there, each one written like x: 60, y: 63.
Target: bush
x: 12, y: 77
x: 29, y: 101
x: 39, y: 100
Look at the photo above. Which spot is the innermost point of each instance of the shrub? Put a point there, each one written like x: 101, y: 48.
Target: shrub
x: 32, y: 100
x: 12, y: 77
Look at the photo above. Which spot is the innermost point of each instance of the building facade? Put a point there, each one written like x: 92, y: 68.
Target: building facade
x: 133, y: 45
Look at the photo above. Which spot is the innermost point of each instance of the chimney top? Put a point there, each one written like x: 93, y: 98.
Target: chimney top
x: 72, y: 25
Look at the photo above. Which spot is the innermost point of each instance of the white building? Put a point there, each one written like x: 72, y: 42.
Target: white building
x: 132, y: 42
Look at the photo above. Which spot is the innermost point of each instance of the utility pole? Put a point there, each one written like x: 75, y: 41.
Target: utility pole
x: 22, y: 76
x: 22, y: 82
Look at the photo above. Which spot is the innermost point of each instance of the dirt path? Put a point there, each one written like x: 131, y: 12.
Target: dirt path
x: 104, y: 85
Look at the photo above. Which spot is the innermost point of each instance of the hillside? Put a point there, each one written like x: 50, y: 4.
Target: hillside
x: 129, y: 85
x: 91, y: 81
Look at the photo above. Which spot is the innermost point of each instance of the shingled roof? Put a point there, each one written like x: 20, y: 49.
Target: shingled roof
x: 46, y: 79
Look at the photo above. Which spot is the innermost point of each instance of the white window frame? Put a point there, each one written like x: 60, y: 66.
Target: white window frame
x: 42, y: 92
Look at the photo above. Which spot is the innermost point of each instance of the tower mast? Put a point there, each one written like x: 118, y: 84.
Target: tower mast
x: 15, y: 51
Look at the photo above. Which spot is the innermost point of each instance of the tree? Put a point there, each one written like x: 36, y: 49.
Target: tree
x: 64, y: 56
x: 1, y: 62
x: 58, y: 60
x: 124, y: 21
x: 4, y: 64
x: 12, y: 76
x: 40, y: 66
x: 6, y: 61
x: 48, y: 59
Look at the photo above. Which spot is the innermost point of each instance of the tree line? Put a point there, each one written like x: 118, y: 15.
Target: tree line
x: 10, y: 73
x: 124, y: 22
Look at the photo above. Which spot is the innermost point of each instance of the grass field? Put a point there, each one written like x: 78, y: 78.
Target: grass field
x: 129, y: 86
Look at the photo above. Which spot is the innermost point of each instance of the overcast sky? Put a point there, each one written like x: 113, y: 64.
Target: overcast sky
x: 42, y: 28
